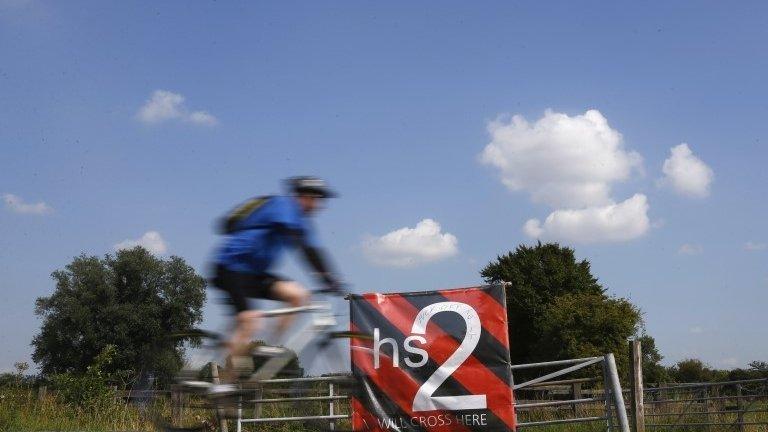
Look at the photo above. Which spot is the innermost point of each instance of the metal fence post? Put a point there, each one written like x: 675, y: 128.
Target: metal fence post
x: 239, y: 424
x: 607, y: 395
x: 219, y: 412
x: 514, y: 398
x: 332, y: 424
x: 636, y: 383
x: 618, y: 397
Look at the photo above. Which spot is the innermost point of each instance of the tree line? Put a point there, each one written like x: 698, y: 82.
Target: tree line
x: 113, y: 315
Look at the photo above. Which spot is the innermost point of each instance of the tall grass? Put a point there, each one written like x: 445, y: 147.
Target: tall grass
x: 21, y: 409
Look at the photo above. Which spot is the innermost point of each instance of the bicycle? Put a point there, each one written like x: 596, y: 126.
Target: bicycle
x: 193, y: 409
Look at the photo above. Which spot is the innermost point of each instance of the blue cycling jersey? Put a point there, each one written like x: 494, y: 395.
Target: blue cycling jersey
x: 261, y: 234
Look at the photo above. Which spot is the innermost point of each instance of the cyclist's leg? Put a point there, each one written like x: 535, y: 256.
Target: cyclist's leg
x: 289, y: 292
x: 238, y: 285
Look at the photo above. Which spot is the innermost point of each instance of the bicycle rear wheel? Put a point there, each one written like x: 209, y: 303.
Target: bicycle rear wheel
x: 186, y: 405
x: 335, y: 390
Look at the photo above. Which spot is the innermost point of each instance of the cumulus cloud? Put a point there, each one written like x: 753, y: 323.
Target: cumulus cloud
x: 563, y: 161
x: 754, y: 247
x: 686, y: 174
x: 690, y: 249
x: 151, y: 241
x: 600, y: 224
x: 16, y: 204
x: 409, y: 247
x: 164, y: 106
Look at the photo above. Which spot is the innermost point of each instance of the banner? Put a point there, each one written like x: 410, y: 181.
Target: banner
x: 438, y: 361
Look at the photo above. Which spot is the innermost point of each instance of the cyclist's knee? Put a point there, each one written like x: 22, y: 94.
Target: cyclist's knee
x: 292, y: 293
x: 300, y: 296
x: 248, y: 318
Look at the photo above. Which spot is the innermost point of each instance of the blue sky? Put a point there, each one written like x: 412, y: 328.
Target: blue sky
x: 395, y: 105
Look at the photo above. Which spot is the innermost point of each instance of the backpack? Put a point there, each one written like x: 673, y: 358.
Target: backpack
x: 230, y: 223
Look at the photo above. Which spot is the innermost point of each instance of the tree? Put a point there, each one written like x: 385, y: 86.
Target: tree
x: 759, y: 367
x: 131, y: 300
x: 691, y: 371
x: 557, y: 309
x: 586, y: 325
x: 653, y: 370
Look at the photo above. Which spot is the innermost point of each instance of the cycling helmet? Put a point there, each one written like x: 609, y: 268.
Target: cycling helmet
x: 309, y: 185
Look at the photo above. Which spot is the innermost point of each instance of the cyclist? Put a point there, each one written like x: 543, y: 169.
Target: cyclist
x: 257, y: 232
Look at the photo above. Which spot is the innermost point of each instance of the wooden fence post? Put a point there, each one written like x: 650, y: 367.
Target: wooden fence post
x: 258, y: 405
x: 740, y: 407
x: 636, y: 383
x: 219, y: 412
x: 576, y: 393
x: 705, y: 399
x: 176, y: 404
x: 41, y: 392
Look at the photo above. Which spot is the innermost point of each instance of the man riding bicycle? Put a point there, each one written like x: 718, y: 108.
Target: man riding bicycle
x: 257, y: 231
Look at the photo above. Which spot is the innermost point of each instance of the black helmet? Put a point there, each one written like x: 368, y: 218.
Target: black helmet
x: 309, y: 185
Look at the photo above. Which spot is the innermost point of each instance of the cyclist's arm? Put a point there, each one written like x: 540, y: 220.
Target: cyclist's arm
x: 314, y: 256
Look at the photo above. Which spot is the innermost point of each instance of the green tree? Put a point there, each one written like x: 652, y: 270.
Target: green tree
x: 556, y: 307
x: 653, y: 370
x: 131, y: 300
x: 759, y: 367
x: 691, y: 371
x: 586, y: 325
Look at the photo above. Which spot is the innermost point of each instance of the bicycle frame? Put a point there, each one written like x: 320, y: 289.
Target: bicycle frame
x: 321, y: 320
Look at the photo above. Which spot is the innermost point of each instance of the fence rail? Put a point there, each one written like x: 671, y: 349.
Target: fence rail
x: 727, y: 403
x: 695, y: 406
x: 611, y: 401
x: 721, y: 406
x: 326, y: 384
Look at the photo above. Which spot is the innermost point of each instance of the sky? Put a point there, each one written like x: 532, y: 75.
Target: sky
x: 454, y: 131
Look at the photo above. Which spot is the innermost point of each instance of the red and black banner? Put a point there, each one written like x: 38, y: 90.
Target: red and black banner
x: 438, y: 361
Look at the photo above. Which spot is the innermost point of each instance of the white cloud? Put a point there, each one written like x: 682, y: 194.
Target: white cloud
x: 563, y: 161
x: 151, y: 241
x: 696, y: 330
x: 17, y: 204
x: 690, y: 249
x: 686, y: 174
x: 610, y: 223
x: 754, y: 247
x: 202, y: 118
x: 409, y: 247
x: 164, y: 105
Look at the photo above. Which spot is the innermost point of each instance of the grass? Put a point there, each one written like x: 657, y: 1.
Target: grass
x: 664, y: 415
x: 21, y: 409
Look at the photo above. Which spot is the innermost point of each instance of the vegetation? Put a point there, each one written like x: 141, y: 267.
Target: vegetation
x: 558, y: 310
x: 109, y: 318
x: 130, y: 301
x: 696, y: 371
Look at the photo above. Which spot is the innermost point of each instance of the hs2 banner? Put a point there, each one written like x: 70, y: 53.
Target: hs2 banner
x: 438, y: 361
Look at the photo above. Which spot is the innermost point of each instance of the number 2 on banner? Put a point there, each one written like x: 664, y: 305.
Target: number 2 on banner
x: 424, y: 401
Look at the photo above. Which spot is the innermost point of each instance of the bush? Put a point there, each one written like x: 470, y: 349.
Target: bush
x: 18, y: 378
x: 90, y: 390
